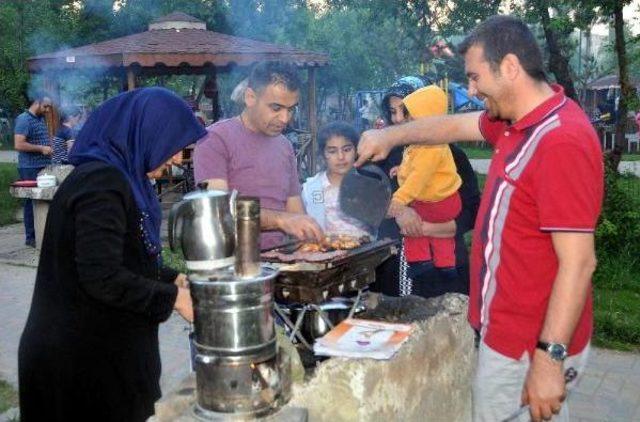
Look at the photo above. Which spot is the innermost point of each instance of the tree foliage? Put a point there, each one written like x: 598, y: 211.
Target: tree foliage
x: 370, y: 42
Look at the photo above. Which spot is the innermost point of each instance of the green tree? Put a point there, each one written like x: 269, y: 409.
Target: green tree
x: 556, y: 29
x: 27, y: 27
x: 611, y: 12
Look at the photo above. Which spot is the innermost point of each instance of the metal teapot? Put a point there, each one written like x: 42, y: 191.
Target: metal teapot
x: 203, y: 226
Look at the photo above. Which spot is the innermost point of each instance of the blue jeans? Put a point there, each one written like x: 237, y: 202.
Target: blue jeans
x: 29, y: 230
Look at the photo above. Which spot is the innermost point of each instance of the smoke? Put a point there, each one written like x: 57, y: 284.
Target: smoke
x: 71, y: 78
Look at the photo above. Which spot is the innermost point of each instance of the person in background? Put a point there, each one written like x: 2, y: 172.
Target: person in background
x: 391, y: 275
x: 195, y: 107
x: 364, y: 111
x: 320, y: 193
x: 428, y: 183
x: 31, y: 140
x: 533, y: 252
x: 89, y: 350
x: 379, y: 123
x: 249, y: 153
x: 63, y: 141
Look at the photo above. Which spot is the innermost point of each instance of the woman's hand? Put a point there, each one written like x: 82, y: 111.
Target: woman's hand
x: 409, y: 222
x: 181, y: 281
x: 394, y: 171
x: 183, y: 304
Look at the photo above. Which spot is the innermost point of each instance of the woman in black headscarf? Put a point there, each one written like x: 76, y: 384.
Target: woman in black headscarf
x: 89, y: 350
x: 391, y: 277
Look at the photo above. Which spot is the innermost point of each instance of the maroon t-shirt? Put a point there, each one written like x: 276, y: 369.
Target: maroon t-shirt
x: 252, y: 163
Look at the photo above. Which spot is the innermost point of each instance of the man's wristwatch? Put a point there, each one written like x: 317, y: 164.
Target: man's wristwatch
x: 556, y: 351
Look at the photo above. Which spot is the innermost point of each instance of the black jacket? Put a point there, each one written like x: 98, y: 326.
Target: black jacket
x: 89, y: 350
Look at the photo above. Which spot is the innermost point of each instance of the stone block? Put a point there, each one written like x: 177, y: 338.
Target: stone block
x: 429, y: 379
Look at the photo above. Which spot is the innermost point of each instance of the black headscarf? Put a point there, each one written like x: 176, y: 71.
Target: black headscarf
x: 401, y: 88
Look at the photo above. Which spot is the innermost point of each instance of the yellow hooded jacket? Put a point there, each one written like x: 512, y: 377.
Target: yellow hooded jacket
x: 428, y: 172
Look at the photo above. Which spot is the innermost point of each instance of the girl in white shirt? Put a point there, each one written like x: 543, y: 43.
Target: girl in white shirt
x: 337, y: 141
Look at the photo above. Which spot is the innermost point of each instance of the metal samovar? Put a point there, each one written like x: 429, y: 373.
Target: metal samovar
x: 240, y: 373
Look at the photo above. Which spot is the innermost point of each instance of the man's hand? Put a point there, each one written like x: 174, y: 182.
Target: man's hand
x: 301, y: 226
x: 45, y: 150
x: 374, y: 145
x: 544, y: 388
x: 410, y: 222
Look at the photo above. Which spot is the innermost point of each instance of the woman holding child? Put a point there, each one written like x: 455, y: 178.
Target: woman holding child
x: 391, y: 276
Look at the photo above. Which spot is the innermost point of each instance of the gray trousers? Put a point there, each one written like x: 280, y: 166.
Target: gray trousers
x: 498, y: 383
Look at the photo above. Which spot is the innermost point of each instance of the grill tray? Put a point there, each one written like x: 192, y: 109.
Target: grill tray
x: 318, y: 281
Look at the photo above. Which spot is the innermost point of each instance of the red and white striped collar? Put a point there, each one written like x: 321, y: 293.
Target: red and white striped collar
x: 542, y: 111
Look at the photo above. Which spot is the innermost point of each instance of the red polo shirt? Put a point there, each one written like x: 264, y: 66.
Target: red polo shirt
x: 546, y: 175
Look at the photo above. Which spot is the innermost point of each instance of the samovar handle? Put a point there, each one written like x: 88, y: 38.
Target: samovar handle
x: 172, y: 225
x: 233, y: 196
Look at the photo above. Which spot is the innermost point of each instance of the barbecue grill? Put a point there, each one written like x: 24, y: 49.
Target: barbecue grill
x: 309, y: 279
x: 315, y: 281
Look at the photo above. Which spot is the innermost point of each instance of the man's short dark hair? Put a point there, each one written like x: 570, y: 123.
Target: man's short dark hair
x: 267, y: 73
x: 37, y: 96
x: 343, y: 129
x: 501, y: 35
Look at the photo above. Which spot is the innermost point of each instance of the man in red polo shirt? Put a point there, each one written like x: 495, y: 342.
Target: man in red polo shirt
x: 533, y: 246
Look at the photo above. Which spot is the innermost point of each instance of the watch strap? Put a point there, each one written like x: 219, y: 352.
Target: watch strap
x: 549, y: 348
x: 542, y: 345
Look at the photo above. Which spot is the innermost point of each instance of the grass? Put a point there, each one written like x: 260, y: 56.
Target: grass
x: 617, y: 302
x: 474, y: 151
x: 8, y: 204
x: 173, y: 260
x: 8, y: 396
x: 617, y: 288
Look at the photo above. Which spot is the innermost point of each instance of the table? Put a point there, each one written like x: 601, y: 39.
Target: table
x: 40, y: 197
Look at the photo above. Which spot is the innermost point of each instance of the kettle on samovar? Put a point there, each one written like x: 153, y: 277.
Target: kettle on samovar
x: 203, y: 227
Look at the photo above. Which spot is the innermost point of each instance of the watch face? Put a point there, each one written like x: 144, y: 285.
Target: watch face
x: 557, y: 351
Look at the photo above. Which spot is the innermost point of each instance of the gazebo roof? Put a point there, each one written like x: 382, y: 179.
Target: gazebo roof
x: 174, y: 40
x: 611, y: 81
x: 176, y: 16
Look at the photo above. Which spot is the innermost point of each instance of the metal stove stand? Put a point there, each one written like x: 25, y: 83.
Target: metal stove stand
x: 294, y: 328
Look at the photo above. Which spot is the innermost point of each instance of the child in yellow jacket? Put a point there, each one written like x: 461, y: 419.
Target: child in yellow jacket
x: 429, y: 184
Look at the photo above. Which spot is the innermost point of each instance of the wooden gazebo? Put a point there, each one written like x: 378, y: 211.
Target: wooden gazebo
x: 177, y: 44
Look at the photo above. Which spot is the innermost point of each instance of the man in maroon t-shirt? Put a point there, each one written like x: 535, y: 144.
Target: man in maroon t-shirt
x: 249, y: 153
x: 533, y: 247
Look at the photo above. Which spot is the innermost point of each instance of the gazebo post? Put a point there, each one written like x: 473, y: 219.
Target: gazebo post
x: 210, y: 91
x: 131, y: 79
x: 313, y: 123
